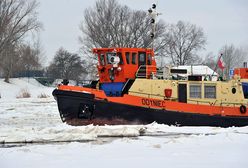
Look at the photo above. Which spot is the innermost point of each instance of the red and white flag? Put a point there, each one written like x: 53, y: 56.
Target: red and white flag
x: 221, y: 63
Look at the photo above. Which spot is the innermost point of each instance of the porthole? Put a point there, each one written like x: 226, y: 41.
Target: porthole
x: 233, y: 90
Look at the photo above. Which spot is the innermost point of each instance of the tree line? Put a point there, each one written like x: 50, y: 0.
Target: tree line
x: 106, y: 24
x: 18, y: 18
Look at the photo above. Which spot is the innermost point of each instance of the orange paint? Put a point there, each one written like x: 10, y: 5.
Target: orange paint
x: 242, y: 72
x: 160, y: 104
x: 130, y: 61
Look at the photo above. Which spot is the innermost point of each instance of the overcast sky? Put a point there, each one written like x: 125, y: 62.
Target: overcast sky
x: 223, y: 21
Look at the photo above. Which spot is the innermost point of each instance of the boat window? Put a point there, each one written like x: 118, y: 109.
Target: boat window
x: 210, y: 92
x: 245, y: 90
x: 134, y: 58
x: 128, y: 57
x: 102, y: 61
x: 120, y: 56
x: 195, y: 91
x: 142, y: 58
x: 149, y: 60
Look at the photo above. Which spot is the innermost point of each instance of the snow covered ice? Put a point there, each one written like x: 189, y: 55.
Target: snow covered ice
x: 55, y: 144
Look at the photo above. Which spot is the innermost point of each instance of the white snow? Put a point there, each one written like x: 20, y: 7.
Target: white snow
x: 56, y: 144
x: 12, y: 90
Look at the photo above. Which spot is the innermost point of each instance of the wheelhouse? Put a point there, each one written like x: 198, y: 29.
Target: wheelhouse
x: 118, y: 65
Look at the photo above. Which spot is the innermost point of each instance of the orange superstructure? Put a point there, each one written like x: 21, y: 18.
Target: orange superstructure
x: 118, y: 65
x: 242, y: 72
x: 121, y: 64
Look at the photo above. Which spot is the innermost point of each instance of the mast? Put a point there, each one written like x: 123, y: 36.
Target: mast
x: 153, y: 14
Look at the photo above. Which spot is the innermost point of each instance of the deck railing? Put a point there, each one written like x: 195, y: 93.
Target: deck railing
x: 152, y: 72
x: 146, y: 71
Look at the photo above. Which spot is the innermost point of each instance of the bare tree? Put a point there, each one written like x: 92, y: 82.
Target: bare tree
x: 110, y: 24
x: 66, y: 65
x: 210, y: 60
x: 184, y: 40
x: 29, y: 58
x: 233, y: 57
x: 18, y: 17
x: 20, y: 58
x: 8, y: 61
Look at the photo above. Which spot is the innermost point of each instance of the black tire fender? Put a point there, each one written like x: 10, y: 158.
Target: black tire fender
x: 86, y: 111
x: 242, y: 109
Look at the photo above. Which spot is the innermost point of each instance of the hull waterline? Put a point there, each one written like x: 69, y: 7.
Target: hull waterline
x: 78, y: 108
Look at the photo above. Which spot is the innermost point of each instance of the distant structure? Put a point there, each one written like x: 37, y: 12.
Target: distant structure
x: 184, y: 71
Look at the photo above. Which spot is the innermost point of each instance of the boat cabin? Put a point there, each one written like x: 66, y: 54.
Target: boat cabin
x: 242, y: 72
x: 118, y: 65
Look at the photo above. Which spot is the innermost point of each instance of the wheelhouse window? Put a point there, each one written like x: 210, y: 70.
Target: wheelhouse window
x: 120, y: 56
x: 245, y: 89
x: 195, y: 91
x: 209, y: 92
x: 149, y: 60
x: 127, y: 57
x: 102, y: 60
x: 134, y: 55
x: 142, y: 57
